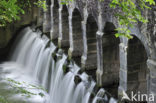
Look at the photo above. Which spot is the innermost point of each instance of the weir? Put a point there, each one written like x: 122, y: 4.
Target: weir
x: 73, y: 53
x: 36, y: 60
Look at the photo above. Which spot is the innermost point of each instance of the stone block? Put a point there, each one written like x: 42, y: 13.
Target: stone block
x: 133, y: 76
x: 153, y: 80
x: 123, y: 84
x: 133, y: 86
x: 152, y: 66
x: 109, y: 79
x: 123, y: 75
x: 142, y: 75
x: 153, y: 88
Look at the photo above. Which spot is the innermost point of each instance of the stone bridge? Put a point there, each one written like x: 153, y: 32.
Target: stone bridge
x: 85, y: 30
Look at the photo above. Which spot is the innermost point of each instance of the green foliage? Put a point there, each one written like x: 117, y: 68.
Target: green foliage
x: 64, y: 68
x: 64, y: 2
x: 25, y: 4
x: 23, y: 87
x: 130, y: 13
x: 3, y: 99
x: 9, y: 11
x: 41, y: 4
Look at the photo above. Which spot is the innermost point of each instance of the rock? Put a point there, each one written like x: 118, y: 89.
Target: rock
x: 77, y: 79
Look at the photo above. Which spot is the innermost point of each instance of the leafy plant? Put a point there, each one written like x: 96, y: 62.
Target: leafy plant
x: 64, y: 2
x: 130, y: 13
x: 41, y: 4
x: 22, y: 88
x: 10, y: 10
x: 3, y: 99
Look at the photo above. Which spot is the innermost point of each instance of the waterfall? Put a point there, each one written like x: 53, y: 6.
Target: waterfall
x: 36, y: 60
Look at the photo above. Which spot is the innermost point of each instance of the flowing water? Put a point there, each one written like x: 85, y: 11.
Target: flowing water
x: 35, y: 60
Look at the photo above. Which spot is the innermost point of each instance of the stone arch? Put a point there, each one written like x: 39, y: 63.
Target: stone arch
x: 77, y: 36
x: 136, y: 67
x: 143, y: 39
x: 111, y: 62
x: 65, y: 29
x: 56, y: 20
x: 91, y: 62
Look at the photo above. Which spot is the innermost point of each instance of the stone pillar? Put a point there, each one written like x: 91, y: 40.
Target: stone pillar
x: 99, y: 36
x: 70, y: 51
x: 123, y: 70
x: 40, y: 17
x: 52, y: 19
x: 46, y: 19
x: 152, y: 79
x: 99, y: 71
x: 85, y: 46
x: 60, y: 25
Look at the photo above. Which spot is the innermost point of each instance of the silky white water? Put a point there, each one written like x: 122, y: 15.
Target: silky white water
x: 32, y: 61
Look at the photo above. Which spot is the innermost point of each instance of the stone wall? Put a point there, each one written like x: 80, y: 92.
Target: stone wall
x: 106, y: 58
x: 116, y: 59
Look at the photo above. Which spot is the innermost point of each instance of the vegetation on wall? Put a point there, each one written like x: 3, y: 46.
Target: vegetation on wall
x: 130, y: 12
x: 10, y: 10
x: 41, y: 4
x: 64, y: 2
x: 3, y: 99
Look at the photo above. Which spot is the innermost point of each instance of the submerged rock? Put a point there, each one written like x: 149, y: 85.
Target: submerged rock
x: 77, y: 79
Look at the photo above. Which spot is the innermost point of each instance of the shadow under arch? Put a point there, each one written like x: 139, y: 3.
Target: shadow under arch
x: 77, y: 36
x: 111, y: 61
x: 137, y: 72
x: 91, y: 62
x: 65, y: 29
x: 56, y: 4
x: 143, y: 39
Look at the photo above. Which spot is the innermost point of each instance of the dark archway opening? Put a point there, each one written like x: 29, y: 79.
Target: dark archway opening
x: 65, y: 29
x: 137, y: 67
x: 77, y: 36
x: 91, y: 63
x: 111, y: 62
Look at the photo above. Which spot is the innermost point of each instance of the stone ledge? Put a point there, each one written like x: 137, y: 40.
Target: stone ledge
x: 151, y: 64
